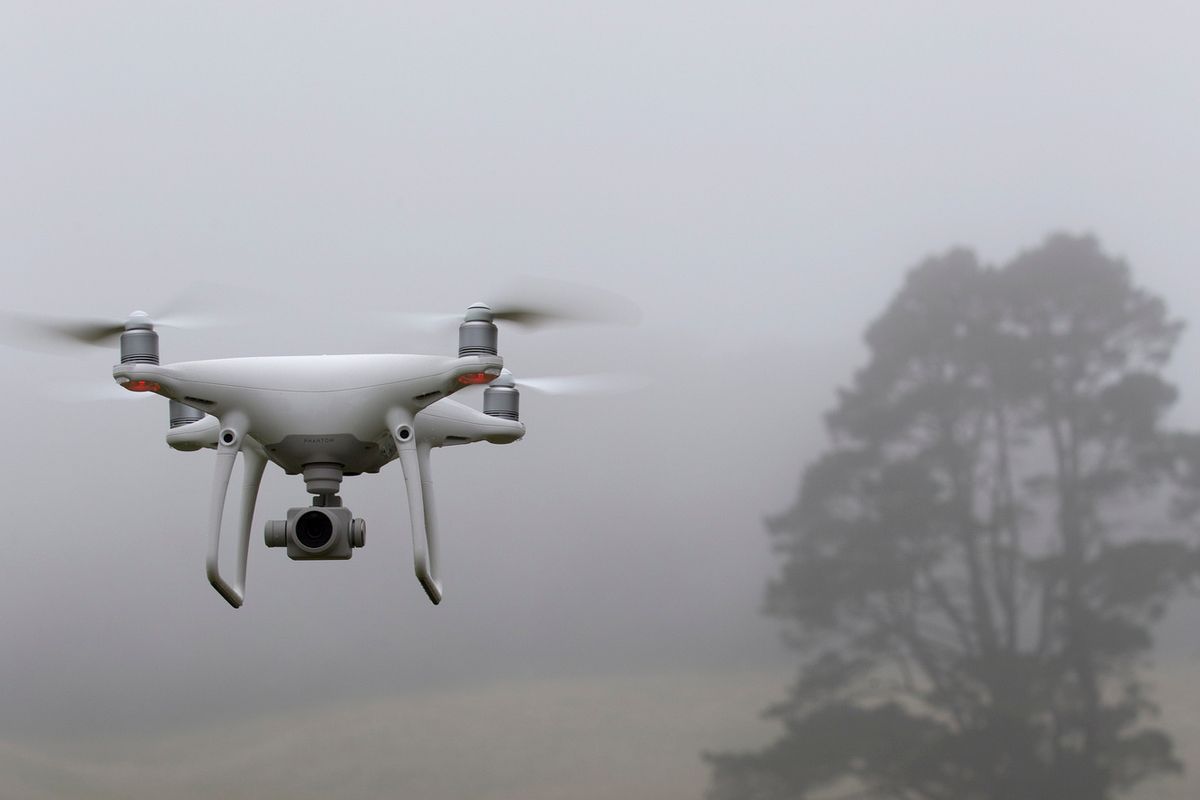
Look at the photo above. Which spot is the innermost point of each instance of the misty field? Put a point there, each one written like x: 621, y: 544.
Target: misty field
x: 578, y: 739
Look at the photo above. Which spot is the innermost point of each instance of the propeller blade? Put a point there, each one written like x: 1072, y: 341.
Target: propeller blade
x: 29, y: 330
x: 192, y: 321
x: 206, y: 305
x: 535, y: 303
x: 429, y: 321
x: 189, y: 309
x: 609, y: 383
x: 533, y: 317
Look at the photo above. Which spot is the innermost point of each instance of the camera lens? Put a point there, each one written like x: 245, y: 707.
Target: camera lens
x: 314, y: 530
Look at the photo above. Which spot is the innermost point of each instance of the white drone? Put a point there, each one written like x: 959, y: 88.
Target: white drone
x: 326, y: 418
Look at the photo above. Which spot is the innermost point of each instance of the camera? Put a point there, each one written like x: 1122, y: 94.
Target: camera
x: 317, y: 532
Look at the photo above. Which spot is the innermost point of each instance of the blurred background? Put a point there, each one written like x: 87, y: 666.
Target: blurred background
x: 757, y: 180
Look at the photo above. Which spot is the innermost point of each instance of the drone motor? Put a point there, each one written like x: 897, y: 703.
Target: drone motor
x: 501, y: 398
x: 181, y: 414
x: 477, y: 335
x: 139, y: 340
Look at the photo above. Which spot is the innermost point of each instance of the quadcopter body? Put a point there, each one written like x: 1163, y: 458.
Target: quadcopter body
x: 310, y: 409
x: 326, y: 418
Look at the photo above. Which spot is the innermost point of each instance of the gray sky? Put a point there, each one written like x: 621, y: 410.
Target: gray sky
x: 755, y: 177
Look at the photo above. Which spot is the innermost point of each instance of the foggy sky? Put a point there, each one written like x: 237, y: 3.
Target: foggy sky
x: 756, y: 179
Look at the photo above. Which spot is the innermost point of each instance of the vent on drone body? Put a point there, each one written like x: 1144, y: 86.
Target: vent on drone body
x: 501, y: 398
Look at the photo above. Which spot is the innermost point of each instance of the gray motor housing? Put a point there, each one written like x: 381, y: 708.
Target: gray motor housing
x: 139, y: 341
x: 181, y: 414
x: 502, y: 399
x: 314, y: 533
x: 477, y: 335
x: 503, y: 402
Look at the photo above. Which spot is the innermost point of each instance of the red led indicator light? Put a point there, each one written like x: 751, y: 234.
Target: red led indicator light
x: 475, y: 378
x: 142, y: 386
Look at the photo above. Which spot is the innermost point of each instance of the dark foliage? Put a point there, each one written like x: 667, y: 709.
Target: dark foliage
x: 966, y: 573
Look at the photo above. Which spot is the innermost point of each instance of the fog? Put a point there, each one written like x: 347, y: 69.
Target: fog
x: 756, y: 180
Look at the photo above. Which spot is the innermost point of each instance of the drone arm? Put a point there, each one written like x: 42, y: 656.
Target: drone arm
x: 232, y: 440
x: 414, y: 462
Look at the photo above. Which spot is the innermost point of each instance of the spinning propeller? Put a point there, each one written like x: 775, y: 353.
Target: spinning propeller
x: 534, y: 304
x: 501, y: 398
x: 602, y: 383
x: 105, y: 332
x: 191, y: 309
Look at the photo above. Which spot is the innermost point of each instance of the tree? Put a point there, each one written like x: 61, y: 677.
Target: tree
x: 965, y: 572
